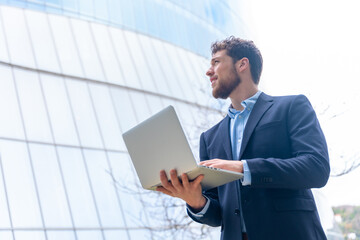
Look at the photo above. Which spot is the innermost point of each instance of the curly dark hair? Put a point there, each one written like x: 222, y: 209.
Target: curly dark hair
x: 237, y: 49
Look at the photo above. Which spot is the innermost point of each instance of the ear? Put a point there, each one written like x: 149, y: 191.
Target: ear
x: 242, y: 64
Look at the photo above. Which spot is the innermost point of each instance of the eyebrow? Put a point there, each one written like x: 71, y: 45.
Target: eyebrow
x: 215, y: 58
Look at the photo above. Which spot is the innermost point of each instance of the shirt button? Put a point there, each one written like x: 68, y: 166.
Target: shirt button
x: 237, y: 212
x: 239, y: 116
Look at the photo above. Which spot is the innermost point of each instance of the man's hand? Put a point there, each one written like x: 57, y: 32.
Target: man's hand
x: 236, y: 166
x: 190, y: 192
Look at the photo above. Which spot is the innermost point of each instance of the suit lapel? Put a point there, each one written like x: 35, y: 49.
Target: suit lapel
x: 263, y: 103
x: 225, y: 136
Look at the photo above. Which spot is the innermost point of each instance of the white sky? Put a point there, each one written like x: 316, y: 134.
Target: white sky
x: 312, y: 47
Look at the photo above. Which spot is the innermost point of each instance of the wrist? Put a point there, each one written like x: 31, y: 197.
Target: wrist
x: 198, y: 205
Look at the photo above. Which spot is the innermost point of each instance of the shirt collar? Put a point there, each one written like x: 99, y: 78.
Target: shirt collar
x: 248, y: 104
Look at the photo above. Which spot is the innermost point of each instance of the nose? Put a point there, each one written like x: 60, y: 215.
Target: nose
x: 210, y: 72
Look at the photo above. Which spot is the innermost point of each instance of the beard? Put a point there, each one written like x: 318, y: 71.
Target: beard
x: 225, y: 87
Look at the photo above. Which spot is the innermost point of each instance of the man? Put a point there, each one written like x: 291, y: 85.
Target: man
x: 276, y: 142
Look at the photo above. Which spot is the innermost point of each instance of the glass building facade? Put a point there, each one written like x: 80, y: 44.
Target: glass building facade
x: 76, y: 74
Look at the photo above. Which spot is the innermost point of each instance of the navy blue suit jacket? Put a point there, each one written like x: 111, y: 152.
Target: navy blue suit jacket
x: 287, y: 155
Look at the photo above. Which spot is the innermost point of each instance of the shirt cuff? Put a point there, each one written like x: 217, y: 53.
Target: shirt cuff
x: 203, y: 211
x: 247, y: 175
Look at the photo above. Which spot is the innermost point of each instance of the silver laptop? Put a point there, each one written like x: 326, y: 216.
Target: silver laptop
x: 159, y: 143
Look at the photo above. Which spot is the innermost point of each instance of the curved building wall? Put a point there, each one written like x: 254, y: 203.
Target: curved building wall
x: 71, y: 82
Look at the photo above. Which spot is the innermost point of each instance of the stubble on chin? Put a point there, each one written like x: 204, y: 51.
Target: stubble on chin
x: 223, y: 90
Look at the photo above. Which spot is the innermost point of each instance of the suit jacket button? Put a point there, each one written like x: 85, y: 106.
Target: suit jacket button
x: 237, y: 212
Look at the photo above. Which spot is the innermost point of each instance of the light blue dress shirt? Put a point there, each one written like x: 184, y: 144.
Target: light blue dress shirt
x: 238, y: 120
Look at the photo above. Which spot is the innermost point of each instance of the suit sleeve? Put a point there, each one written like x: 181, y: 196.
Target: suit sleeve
x: 212, y: 216
x: 309, y: 165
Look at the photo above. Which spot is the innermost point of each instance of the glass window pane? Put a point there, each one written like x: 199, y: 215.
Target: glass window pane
x: 128, y: 187
x: 115, y: 11
x: 140, y: 15
x: 4, y: 216
x: 181, y: 75
x: 101, y: 9
x: 65, y: 45
x: 6, y: 235
x: 127, y: 13
x: 156, y: 71
x: 89, y: 235
x: 155, y: 103
x: 167, y: 67
x: 141, y: 105
x: 84, y: 114
x: 10, y: 120
x: 190, y: 83
x: 78, y: 188
x: 51, y: 189
x: 140, y: 234
x: 125, y: 58
x: 23, y: 203
x: 107, y: 54
x: 70, y: 5
x: 86, y: 7
x: 106, y: 116
x: 29, y: 235
x: 62, y: 121
x: 42, y: 41
x: 202, y: 87
x: 124, y: 108
x: 116, y: 234
x: 60, y: 235
x: 17, y: 38
x: 32, y: 106
x: 87, y: 49
x: 140, y: 60
x: 3, y: 47
x: 104, y: 189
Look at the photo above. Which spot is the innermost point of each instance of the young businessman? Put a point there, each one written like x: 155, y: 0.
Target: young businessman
x: 276, y: 142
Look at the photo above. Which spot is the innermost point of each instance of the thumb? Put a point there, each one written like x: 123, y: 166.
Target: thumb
x: 198, y: 179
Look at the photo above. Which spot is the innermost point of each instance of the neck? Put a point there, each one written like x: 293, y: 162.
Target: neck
x: 242, y: 93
